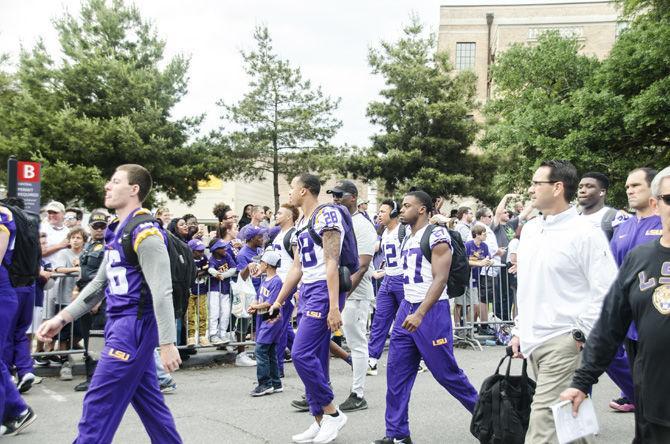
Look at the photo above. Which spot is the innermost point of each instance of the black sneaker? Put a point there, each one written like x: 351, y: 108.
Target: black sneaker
x: 287, y: 356
x: 82, y: 386
x: 353, y: 403
x: 41, y: 361
x: 26, y: 382
x: 300, y: 405
x: 387, y: 440
x: 19, y: 424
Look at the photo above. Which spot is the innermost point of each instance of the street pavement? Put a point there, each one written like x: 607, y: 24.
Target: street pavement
x: 212, y: 405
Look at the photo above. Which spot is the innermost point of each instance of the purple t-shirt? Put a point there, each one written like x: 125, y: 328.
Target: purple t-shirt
x: 201, y: 284
x: 9, y: 227
x: 223, y: 264
x: 476, y: 253
x: 269, y: 331
x: 244, y: 258
x: 633, y: 232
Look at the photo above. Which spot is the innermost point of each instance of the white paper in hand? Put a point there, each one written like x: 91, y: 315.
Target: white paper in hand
x: 569, y: 428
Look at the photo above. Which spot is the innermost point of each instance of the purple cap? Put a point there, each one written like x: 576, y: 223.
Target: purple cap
x: 218, y: 244
x: 196, y: 245
x: 252, y: 232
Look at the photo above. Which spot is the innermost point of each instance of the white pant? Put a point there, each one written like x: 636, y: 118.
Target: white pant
x: 219, y: 313
x: 354, y: 325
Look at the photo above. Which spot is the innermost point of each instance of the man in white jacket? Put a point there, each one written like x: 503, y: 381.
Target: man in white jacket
x: 565, y: 268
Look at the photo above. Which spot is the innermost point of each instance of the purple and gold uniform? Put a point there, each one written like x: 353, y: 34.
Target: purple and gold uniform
x: 222, y: 265
x: 126, y: 372
x: 11, y: 404
x: 432, y: 341
x: 390, y: 295
x: 312, y: 340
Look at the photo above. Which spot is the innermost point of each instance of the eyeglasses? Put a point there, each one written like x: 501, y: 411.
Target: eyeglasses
x: 535, y: 183
x: 234, y: 216
x: 70, y: 218
x: 665, y: 198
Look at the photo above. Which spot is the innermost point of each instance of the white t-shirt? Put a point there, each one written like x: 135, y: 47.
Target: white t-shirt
x: 390, y: 246
x: 286, y: 259
x: 513, y: 247
x: 54, y: 236
x: 311, y: 255
x: 418, y: 272
x: 596, y: 218
x: 366, y: 238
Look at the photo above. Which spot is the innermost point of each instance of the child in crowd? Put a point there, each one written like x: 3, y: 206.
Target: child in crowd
x: 269, y: 328
x: 196, y: 312
x: 67, y: 262
x: 479, y: 257
x: 221, y: 267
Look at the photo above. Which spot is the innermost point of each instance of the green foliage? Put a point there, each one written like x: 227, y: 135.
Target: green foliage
x: 283, y: 125
x: 609, y: 116
x: 106, y: 102
x: 424, y: 117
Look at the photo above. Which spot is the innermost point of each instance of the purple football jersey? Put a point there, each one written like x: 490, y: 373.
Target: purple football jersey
x: 126, y: 284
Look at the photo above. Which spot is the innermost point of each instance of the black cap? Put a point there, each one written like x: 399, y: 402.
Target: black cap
x: 344, y: 186
x: 97, y: 218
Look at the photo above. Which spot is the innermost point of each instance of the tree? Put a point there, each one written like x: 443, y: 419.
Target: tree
x: 532, y: 113
x: 106, y: 102
x: 282, y: 125
x: 609, y: 116
x: 424, y: 115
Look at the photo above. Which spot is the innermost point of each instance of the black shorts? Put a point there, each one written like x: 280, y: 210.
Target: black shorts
x: 485, y: 289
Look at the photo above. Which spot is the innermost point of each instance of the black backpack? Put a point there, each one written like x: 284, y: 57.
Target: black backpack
x: 25, y: 267
x: 503, y: 408
x: 459, y: 272
x: 182, y: 266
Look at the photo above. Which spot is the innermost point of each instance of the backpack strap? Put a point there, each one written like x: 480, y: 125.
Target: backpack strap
x: 606, y: 223
x: 310, y: 227
x: 287, y: 242
x: 131, y: 255
x: 495, y: 410
x: 402, y: 232
x: 425, y: 242
x: 127, y: 236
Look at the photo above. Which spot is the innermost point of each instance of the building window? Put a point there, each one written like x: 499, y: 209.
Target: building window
x: 465, y: 56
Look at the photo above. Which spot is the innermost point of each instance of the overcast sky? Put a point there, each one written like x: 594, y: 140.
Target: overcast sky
x: 329, y: 40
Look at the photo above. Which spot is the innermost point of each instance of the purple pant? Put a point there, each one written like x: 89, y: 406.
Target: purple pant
x: 11, y: 404
x: 311, y: 347
x: 619, y: 372
x: 17, y: 347
x: 432, y: 342
x: 126, y: 373
x: 287, y: 336
x: 389, y: 297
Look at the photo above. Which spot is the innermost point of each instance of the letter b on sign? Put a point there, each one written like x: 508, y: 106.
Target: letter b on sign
x: 28, y: 171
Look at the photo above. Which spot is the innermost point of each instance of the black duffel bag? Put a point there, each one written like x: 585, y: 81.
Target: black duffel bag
x: 503, y: 408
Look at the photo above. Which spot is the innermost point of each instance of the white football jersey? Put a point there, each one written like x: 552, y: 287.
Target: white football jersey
x: 417, y: 271
x: 311, y: 255
x: 286, y: 259
x: 390, y: 245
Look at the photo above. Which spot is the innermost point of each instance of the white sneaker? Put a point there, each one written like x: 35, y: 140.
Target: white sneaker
x: 330, y: 425
x: 308, y: 435
x: 66, y: 372
x: 243, y: 360
x: 26, y: 382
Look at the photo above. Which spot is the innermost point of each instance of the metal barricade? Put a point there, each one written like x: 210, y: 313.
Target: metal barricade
x: 70, y: 336
x: 210, y: 321
x: 489, y: 309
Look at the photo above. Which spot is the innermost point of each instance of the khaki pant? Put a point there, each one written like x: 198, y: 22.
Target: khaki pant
x: 197, y: 310
x: 554, y: 364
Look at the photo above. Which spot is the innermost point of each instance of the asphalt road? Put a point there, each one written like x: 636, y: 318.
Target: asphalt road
x: 212, y: 405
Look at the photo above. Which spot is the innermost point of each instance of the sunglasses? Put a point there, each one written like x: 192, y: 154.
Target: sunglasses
x: 99, y: 226
x: 665, y: 198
